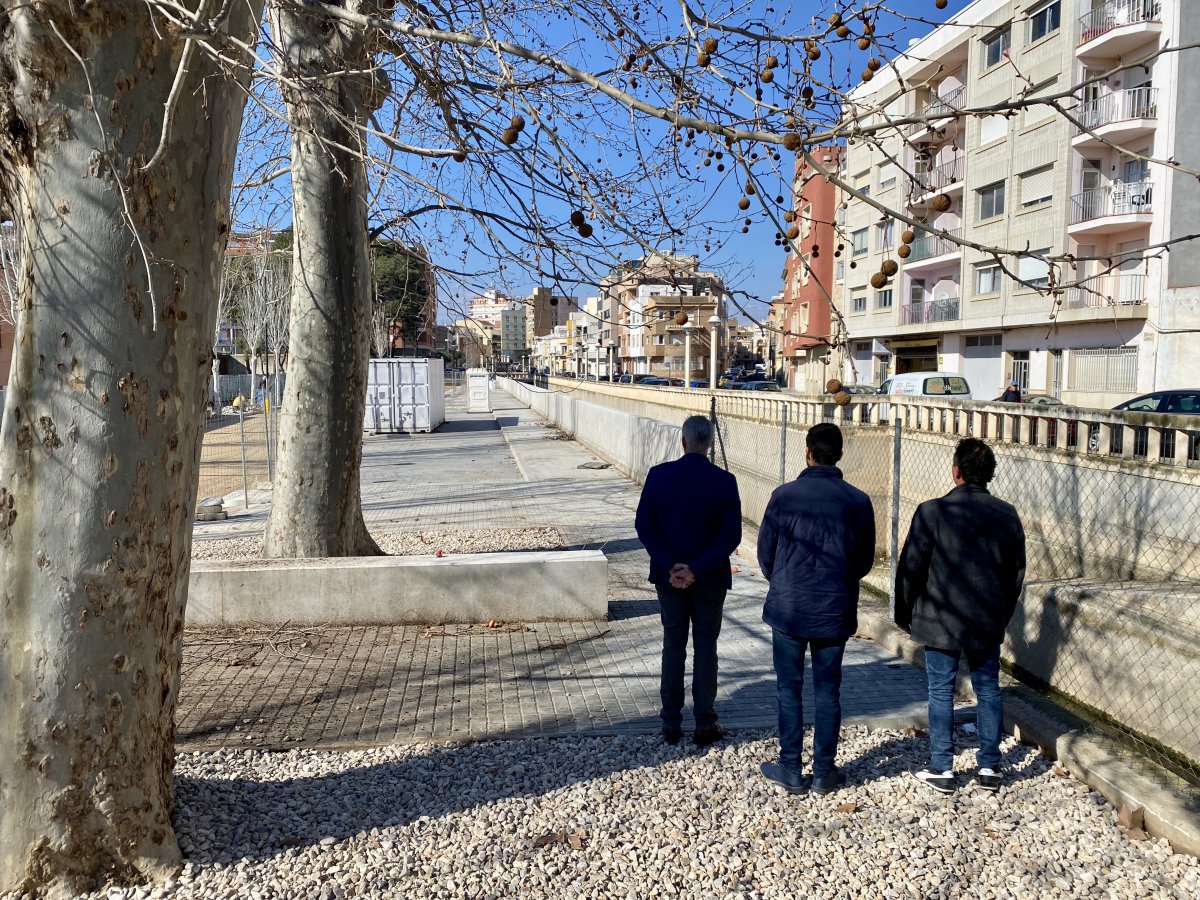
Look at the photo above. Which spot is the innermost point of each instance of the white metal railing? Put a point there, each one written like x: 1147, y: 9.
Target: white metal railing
x: 1115, y: 14
x: 1118, y: 199
x: 943, y: 309
x: 934, y: 178
x: 1118, y: 106
x: 947, y: 104
x: 929, y: 245
x: 1115, y: 289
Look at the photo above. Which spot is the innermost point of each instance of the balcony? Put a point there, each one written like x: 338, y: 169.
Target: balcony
x: 1114, y: 208
x: 1117, y: 27
x: 930, y: 246
x: 943, y: 309
x: 1113, y: 289
x: 938, y: 113
x: 932, y: 180
x: 1117, y: 118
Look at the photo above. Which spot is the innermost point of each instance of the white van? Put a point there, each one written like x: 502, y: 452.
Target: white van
x: 927, y: 384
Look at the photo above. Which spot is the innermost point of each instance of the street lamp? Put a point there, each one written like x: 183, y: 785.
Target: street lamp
x: 714, y: 331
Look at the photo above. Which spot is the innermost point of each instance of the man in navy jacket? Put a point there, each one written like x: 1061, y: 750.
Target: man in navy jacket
x: 690, y: 520
x: 816, y: 542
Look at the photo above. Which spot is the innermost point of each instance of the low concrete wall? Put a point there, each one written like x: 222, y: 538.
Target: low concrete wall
x: 564, y: 586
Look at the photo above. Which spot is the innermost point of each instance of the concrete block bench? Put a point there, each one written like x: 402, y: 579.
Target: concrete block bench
x: 537, y: 586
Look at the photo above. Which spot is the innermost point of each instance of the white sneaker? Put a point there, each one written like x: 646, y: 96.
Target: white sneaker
x: 942, y: 782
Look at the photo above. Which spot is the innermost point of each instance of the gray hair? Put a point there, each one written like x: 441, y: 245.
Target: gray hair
x: 697, y: 434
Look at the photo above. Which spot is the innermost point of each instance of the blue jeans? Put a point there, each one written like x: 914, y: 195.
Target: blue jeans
x: 827, y: 655
x: 941, y: 670
x: 699, y: 609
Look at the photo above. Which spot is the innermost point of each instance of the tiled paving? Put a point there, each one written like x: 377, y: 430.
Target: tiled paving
x: 336, y: 686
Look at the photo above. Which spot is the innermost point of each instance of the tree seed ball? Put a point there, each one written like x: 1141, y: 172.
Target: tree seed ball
x: 843, y: 31
x: 710, y: 45
x: 702, y: 59
x: 789, y: 216
x: 766, y: 76
x: 903, y: 251
x: 867, y: 74
x: 508, y: 136
x: 744, y: 203
x: 577, y: 218
x: 517, y: 123
x: 889, y: 267
x: 833, y: 385
x: 792, y: 141
x: 841, y: 398
x: 878, y: 280
x: 907, y: 237
x: 864, y: 43
x: 793, y: 233
x: 585, y: 230
x: 460, y: 156
x: 940, y: 4
x: 771, y: 62
x: 873, y: 64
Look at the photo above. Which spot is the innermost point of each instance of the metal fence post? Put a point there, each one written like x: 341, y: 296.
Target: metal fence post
x: 895, y: 541
x: 245, y: 483
x: 267, y: 432
x: 783, y: 443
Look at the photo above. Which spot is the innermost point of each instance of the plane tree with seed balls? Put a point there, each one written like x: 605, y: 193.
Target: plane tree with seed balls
x: 515, y: 141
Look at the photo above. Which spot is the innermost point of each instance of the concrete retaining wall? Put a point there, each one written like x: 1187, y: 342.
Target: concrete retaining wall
x: 564, y: 586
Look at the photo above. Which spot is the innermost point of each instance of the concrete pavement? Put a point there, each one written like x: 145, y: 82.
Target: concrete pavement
x: 283, y: 686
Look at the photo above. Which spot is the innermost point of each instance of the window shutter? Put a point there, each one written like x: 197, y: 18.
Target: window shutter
x: 1029, y: 269
x: 992, y: 128
x: 1037, y: 185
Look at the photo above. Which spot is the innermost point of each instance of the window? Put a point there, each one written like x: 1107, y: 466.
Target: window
x: 1034, y: 272
x: 883, y: 235
x: 987, y: 279
x: 883, y: 299
x: 1113, y: 370
x: 862, y: 183
x: 993, y: 128
x: 860, y: 241
x: 839, y: 271
x: 806, y: 221
x: 996, y: 46
x: 991, y: 200
x: 1035, y: 115
x: 916, y: 292
x: 887, y: 176
x: 1045, y: 19
x: 984, y: 340
x: 1037, y: 186
x: 858, y: 303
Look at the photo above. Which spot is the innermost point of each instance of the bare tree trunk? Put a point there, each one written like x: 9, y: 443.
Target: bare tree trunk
x: 316, y: 507
x: 102, y: 427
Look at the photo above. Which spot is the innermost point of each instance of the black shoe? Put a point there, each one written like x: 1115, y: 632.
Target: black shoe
x: 828, y: 783
x: 786, y: 779
x: 942, y: 782
x: 989, y: 779
x: 672, y: 735
x: 710, y: 735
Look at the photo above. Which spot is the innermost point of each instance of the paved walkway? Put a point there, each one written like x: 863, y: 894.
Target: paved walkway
x: 340, y: 687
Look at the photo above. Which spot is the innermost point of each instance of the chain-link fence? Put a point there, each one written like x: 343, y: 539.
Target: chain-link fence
x: 1111, y: 616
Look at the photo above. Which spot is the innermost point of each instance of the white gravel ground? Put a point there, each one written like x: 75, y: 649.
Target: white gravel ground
x: 584, y: 817
x: 407, y: 543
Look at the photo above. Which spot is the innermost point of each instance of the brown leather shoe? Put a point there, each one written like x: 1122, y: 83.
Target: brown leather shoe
x: 705, y: 736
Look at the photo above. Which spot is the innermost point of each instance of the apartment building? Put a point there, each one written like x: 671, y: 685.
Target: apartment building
x: 645, y: 297
x: 801, y: 316
x: 545, y: 310
x: 1032, y: 181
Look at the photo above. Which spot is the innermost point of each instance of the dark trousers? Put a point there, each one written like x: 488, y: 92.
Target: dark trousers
x: 941, y: 673
x: 827, y: 655
x: 700, y: 610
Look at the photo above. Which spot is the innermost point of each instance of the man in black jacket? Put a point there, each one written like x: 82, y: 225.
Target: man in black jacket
x: 816, y: 542
x: 689, y: 519
x: 957, y: 586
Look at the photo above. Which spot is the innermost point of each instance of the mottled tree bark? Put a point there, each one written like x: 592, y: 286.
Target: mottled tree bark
x: 102, y: 426
x: 316, y: 505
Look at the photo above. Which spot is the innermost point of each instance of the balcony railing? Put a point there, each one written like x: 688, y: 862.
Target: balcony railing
x: 1115, y: 14
x: 1117, y: 199
x: 930, y: 245
x: 945, y: 104
x: 1119, y: 106
x: 943, y: 309
x: 1114, y: 289
x: 937, y: 177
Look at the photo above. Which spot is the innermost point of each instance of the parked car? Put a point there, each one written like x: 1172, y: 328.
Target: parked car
x: 1176, y: 402
x: 1042, y: 400
x: 761, y: 386
x: 654, y: 381
x: 698, y: 383
x: 735, y: 385
x: 927, y: 384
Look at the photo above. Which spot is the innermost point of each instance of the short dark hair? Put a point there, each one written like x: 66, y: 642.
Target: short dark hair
x: 825, y: 442
x: 698, y: 433
x: 975, y: 460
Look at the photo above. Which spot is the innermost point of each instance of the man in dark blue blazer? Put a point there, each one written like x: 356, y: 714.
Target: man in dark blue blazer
x: 816, y: 542
x: 690, y: 520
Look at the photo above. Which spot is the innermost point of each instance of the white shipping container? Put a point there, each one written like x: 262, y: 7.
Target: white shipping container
x: 405, y: 395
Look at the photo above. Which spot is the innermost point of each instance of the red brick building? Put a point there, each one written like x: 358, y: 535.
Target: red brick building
x: 802, y: 312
